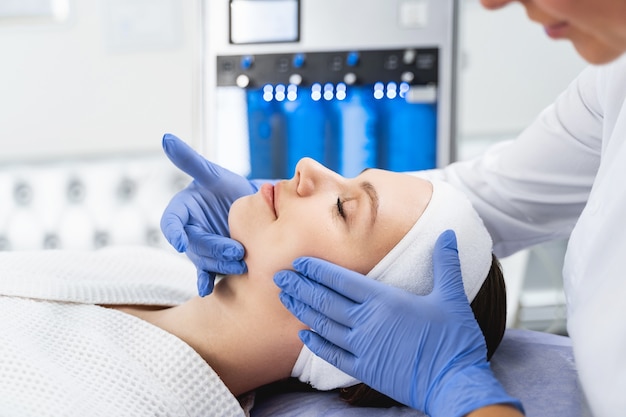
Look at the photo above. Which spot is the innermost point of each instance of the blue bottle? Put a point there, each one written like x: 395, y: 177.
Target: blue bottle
x: 306, y: 127
x: 409, y: 134
x: 355, y: 124
x: 266, y: 134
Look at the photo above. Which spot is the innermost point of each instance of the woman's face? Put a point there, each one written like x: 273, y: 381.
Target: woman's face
x: 597, y: 28
x: 351, y: 222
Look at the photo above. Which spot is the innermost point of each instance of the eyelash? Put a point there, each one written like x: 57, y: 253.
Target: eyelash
x: 340, y: 208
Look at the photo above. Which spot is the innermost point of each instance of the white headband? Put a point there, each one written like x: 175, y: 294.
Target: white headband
x: 409, y: 266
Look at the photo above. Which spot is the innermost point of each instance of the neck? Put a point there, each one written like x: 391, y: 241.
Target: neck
x: 232, y: 329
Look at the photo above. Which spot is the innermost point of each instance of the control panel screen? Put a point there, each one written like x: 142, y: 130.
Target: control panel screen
x: 264, y: 21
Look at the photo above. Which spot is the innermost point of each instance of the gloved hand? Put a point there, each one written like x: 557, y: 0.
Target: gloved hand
x: 424, y: 351
x: 196, y: 219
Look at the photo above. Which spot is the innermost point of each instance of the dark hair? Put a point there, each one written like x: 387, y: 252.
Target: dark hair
x: 489, y: 307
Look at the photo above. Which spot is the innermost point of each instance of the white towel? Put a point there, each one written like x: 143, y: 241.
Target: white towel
x: 62, y: 355
x: 409, y: 266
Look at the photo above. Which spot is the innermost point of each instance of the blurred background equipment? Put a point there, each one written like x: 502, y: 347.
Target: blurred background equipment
x: 350, y: 84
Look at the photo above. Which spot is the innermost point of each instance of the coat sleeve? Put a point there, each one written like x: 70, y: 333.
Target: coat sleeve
x: 533, y: 188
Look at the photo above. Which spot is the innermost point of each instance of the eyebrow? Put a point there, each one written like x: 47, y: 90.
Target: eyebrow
x: 373, y: 196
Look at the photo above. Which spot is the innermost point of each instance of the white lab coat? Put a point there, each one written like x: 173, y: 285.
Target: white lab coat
x: 565, y: 175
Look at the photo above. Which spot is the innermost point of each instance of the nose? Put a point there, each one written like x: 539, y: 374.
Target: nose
x: 311, y: 176
x: 495, y: 4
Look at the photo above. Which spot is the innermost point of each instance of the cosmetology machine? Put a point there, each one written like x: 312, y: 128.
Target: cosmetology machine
x: 350, y: 83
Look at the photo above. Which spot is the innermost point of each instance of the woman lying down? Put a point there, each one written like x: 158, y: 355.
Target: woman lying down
x: 118, y: 331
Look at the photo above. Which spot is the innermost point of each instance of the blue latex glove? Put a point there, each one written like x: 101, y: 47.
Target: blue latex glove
x: 196, y: 219
x: 424, y: 351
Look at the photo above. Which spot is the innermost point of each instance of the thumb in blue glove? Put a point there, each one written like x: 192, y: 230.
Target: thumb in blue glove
x: 196, y: 219
x: 423, y: 351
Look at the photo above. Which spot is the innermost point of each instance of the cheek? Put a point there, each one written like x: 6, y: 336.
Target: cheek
x: 556, y: 6
x: 578, y: 13
x: 308, y: 238
x: 273, y: 246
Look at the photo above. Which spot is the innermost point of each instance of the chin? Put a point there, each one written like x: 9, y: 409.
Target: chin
x: 598, y: 54
x: 238, y: 222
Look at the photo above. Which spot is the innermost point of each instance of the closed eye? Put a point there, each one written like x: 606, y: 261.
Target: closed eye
x: 342, y: 213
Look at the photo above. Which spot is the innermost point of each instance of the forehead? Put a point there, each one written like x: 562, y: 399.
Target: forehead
x: 397, y: 183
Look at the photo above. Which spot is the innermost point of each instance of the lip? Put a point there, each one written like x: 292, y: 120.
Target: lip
x: 556, y: 30
x: 267, y: 191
